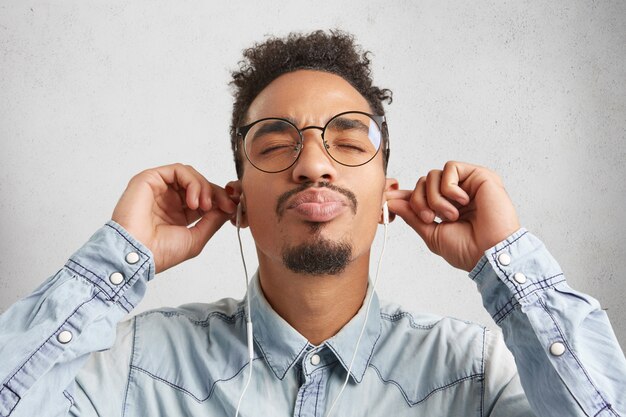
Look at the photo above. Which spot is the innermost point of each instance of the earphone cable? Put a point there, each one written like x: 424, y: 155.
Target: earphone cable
x: 249, y: 330
x: 367, y: 313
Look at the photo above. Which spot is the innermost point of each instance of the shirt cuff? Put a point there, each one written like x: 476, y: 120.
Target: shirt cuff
x: 113, y: 261
x: 513, y: 270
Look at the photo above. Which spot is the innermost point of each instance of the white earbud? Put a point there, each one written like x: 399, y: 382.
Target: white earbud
x: 385, y: 213
x: 239, y: 214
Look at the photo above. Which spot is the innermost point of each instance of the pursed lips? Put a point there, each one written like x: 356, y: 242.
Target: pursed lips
x: 318, y: 205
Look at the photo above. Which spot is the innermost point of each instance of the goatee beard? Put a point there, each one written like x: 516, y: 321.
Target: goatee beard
x: 320, y: 257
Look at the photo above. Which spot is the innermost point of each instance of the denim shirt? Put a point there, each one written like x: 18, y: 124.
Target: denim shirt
x: 70, y: 355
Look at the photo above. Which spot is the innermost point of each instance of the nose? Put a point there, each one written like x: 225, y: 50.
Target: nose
x: 314, y: 164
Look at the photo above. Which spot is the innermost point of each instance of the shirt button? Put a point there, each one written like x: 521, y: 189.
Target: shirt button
x: 132, y: 258
x: 557, y: 349
x: 64, y: 337
x: 116, y: 278
x: 519, y: 278
x: 504, y: 259
x: 315, y: 360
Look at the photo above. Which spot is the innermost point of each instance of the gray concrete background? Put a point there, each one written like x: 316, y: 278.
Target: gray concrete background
x: 93, y: 92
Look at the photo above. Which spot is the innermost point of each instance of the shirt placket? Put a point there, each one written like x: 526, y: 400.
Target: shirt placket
x: 311, y: 399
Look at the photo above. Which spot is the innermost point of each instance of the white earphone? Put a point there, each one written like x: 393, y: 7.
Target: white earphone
x: 250, y: 336
x: 385, y: 209
x: 239, y: 213
x: 385, y: 213
x: 249, y: 330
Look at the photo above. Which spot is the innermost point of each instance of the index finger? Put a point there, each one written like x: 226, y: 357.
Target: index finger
x: 454, y: 181
x: 398, y: 194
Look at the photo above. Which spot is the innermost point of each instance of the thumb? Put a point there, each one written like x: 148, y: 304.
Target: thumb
x: 403, y: 209
x: 206, y: 227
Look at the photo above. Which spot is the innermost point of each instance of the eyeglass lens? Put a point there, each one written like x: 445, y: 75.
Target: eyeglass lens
x: 351, y: 139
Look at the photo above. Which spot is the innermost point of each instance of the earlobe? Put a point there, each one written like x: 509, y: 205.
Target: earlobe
x: 386, y: 217
x: 235, y: 192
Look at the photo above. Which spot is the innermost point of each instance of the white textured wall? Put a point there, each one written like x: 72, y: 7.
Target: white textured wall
x: 91, y: 94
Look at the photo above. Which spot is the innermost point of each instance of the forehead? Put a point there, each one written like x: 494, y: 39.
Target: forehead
x: 306, y: 96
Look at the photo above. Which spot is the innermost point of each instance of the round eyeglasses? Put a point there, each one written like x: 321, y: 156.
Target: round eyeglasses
x: 274, y: 144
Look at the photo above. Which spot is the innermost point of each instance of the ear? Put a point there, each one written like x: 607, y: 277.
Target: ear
x: 235, y: 192
x: 390, y: 184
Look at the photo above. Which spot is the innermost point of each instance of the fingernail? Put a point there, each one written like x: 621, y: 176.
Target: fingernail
x: 426, y: 216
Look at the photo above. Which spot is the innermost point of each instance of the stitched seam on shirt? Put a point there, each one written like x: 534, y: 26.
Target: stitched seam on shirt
x: 380, y: 331
x: 91, y: 272
x: 399, y: 316
x: 542, y: 284
x: 16, y: 403
x: 272, y: 365
x: 69, y: 398
x: 185, y: 391
x: 504, y: 311
x: 114, y: 291
x: 317, y: 393
x: 302, y: 399
x: 102, y: 295
x: 366, y: 362
x: 481, y: 268
x: 495, y: 254
x: 482, y: 371
x: 571, y: 351
x: 607, y: 406
x: 126, y: 239
x: 46, y: 341
x: 127, y: 309
x: 130, y: 366
x: 503, y: 314
x: 97, y: 284
x: 443, y: 387
x: 204, y: 323
x: 328, y: 365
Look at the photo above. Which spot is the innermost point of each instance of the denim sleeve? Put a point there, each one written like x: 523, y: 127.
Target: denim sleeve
x: 567, y: 355
x: 49, y: 335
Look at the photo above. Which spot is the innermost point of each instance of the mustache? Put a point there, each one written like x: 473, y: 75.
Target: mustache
x: 282, y: 200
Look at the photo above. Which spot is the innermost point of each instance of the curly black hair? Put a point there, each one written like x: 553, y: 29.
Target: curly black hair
x: 334, y: 52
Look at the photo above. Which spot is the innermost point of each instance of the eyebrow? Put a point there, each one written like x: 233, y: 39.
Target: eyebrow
x: 344, y: 123
x: 275, y: 126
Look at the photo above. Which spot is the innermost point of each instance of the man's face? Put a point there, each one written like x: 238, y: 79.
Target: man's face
x: 317, y: 204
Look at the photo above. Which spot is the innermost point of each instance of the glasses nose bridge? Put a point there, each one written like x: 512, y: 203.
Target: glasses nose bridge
x: 304, y: 129
x: 312, y: 127
x: 302, y: 132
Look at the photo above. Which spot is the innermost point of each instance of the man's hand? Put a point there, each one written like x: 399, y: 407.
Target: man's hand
x: 159, y: 204
x: 475, y: 210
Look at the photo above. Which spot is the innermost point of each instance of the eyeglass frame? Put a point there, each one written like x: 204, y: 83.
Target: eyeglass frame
x: 380, y: 120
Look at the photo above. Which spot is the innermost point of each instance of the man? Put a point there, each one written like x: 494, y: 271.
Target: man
x: 310, y: 145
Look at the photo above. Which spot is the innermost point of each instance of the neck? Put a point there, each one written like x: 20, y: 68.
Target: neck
x: 316, y: 306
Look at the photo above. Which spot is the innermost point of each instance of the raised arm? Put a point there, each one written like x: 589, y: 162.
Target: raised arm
x: 49, y: 335
x: 568, y: 358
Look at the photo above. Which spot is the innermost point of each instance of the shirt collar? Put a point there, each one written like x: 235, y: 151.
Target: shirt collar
x: 282, y: 345
x: 344, y: 342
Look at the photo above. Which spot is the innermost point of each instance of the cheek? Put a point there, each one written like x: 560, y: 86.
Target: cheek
x: 371, y: 199
x: 370, y: 207
x: 260, y: 211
